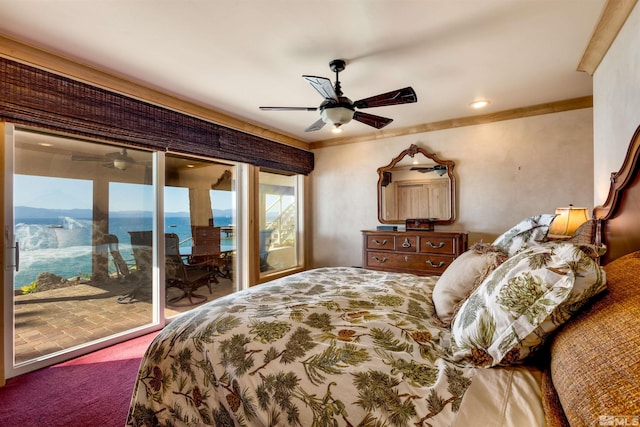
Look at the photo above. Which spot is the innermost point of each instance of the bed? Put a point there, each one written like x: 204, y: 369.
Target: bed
x: 524, y: 331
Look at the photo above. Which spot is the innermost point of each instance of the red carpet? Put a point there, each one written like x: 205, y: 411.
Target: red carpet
x: 91, y: 390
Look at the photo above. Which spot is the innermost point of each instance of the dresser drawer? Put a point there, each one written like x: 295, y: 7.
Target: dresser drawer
x: 421, y: 263
x: 381, y: 242
x: 426, y: 253
x: 439, y: 245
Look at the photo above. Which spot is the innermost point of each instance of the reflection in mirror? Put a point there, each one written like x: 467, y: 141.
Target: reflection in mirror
x: 416, y: 184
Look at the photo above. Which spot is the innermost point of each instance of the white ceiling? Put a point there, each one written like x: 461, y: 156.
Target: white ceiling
x: 236, y: 55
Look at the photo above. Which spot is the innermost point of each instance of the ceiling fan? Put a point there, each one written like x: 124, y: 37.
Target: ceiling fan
x: 118, y: 159
x: 438, y: 169
x: 337, y: 109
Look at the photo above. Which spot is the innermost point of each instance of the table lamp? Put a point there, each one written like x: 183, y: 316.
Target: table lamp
x: 568, y: 220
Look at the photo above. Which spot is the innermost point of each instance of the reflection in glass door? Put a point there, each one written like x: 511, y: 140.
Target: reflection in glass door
x: 82, y: 276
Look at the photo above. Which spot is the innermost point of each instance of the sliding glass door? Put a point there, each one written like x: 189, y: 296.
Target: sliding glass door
x: 104, y: 242
x: 200, y: 218
x: 79, y: 276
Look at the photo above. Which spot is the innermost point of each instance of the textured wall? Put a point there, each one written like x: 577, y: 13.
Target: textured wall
x: 616, y: 99
x: 505, y: 171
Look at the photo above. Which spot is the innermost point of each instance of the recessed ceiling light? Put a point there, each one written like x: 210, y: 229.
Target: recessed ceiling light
x: 479, y: 103
x: 45, y: 144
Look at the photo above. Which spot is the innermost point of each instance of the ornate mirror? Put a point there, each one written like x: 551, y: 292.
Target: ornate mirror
x: 416, y: 184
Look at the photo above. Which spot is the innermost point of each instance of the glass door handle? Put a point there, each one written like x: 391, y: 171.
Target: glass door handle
x: 17, y: 256
x: 8, y: 235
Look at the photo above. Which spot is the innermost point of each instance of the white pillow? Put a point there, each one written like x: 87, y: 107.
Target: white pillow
x: 462, y: 276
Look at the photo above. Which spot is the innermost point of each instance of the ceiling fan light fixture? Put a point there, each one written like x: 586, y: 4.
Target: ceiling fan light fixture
x: 336, y: 115
x: 337, y: 109
x: 121, y: 164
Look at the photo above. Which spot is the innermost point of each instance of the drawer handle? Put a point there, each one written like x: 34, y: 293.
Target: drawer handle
x: 438, y: 246
x: 379, y: 243
x: 383, y: 259
x: 406, y: 243
x: 440, y: 264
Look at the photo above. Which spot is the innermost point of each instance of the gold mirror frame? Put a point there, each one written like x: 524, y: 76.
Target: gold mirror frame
x: 385, y: 178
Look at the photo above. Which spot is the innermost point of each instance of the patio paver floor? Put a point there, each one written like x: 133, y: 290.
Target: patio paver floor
x: 57, y: 319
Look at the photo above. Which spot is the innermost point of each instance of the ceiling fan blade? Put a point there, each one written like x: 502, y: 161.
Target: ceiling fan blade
x: 401, y: 96
x: 289, y: 108
x: 323, y: 86
x: 86, y: 158
x: 317, y: 125
x: 371, y: 120
x: 422, y: 169
x: 122, y: 154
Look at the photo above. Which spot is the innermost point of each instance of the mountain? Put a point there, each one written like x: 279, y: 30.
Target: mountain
x: 28, y: 212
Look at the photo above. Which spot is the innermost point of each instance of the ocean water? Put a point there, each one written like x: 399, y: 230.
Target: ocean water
x: 62, y: 245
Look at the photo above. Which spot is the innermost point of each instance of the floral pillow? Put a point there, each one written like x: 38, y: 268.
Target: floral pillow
x: 528, y: 231
x: 521, y: 302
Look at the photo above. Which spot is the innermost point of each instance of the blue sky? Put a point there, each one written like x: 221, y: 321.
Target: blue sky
x: 62, y: 193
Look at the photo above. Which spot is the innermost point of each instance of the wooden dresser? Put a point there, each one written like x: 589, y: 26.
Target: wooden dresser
x: 426, y: 253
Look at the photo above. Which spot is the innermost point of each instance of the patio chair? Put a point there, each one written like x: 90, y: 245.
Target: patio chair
x: 142, y: 248
x: 205, y: 249
x: 122, y: 269
x: 140, y: 273
x: 265, y: 244
x: 186, y: 277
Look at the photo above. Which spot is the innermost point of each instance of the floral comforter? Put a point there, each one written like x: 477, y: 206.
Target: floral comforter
x: 326, y: 347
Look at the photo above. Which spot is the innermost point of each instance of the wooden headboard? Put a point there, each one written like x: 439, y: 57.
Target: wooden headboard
x: 618, y: 218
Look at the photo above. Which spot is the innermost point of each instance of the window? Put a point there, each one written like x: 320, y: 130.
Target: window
x: 279, y: 222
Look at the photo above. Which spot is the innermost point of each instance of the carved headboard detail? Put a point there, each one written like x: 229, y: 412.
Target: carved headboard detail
x: 619, y: 216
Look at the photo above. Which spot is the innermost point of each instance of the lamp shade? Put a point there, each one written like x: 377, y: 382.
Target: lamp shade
x: 568, y: 220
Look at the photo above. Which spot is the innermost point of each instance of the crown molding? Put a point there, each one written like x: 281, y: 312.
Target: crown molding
x: 516, y: 113
x: 614, y: 15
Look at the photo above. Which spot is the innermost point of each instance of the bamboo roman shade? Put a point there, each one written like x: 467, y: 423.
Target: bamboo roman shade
x: 38, y: 98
